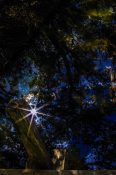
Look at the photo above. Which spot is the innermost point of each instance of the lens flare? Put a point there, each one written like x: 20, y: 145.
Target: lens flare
x: 32, y: 113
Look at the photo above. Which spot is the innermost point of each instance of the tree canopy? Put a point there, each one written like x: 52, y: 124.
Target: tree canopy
x: 58, y: 55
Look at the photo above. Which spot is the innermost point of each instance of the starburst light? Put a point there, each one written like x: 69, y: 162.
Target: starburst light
x: 32, y: 113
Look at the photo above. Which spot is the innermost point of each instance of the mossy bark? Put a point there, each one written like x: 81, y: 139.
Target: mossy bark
x: 37, y: 154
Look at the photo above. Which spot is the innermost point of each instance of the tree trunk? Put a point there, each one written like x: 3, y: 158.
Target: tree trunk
x: 35, y: 148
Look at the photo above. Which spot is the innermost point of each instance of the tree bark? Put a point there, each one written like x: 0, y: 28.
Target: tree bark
x: 37, y: 154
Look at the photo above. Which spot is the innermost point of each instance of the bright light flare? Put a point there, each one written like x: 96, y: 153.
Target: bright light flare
x: 32, y: 113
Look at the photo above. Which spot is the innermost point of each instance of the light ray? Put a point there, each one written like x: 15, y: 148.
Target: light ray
x: 41, y: 107
x: 23, y: 118
x: 30, y: 124
x: 24, y: 109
